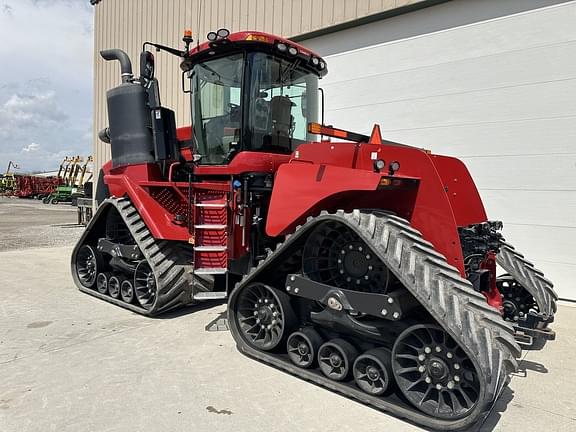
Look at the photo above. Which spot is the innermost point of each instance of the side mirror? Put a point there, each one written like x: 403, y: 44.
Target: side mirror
x: 147, y: 65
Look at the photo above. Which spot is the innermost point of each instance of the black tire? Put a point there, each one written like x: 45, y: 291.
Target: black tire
x: 127, y: 291
x: 264, y: 316
x: 435, y: 374
x: 87, y: 265
x: 336, y: 358
x: 145, y: 286
x: 114, y: 286
x: 102, y: 283
x: 373, y: 372
x: 302, y: 347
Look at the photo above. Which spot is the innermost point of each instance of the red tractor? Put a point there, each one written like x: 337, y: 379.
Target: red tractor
x: 362, y: 265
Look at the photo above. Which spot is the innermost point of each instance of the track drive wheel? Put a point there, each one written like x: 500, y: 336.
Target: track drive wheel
x: 373, y: 372
x: 335, y: 358
x: 434, y: 373
x: 263, y: 316
x: 87, y: 265
x: 302, y: 347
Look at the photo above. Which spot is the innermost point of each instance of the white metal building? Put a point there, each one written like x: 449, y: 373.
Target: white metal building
x: 492, y: 82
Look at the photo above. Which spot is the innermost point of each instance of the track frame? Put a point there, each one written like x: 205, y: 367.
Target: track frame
x: 458, y: 309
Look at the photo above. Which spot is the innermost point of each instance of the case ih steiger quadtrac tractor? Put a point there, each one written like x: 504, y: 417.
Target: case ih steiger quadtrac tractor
x: 362, y: 265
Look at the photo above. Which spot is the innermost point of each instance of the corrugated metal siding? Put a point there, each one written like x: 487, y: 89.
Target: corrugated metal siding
x: 498, y: 94
x: 126, y: 24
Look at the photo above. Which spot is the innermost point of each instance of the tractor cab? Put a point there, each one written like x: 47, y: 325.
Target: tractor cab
x: 250, y: 92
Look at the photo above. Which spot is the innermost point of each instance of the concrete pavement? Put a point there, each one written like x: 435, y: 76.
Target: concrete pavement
x: 69, y: 362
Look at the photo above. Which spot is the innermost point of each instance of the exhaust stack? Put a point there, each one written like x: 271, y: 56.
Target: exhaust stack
x: 130, y: 131
x: 125, y: 63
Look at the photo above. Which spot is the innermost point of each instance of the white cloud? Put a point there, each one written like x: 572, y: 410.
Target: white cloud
x: 32, y: 147
x: 29, y: 110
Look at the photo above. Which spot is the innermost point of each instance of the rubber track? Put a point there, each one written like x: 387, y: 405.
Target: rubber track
x: 173, y: 280
x: 529, y: 277
x: 462, y: 312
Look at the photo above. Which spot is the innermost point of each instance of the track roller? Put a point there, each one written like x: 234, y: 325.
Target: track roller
x: 303, y: 347
x: 102, y: 283
x: 127, y: 291
x: 114, y: 286
x: 373, y: 372
x: 335, y: 358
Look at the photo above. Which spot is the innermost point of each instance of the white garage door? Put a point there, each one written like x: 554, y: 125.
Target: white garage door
x: 500, y: 94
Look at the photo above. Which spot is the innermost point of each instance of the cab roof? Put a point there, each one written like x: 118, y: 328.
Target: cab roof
x: 252, y: 39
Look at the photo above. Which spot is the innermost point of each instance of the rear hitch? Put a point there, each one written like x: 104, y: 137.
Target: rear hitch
x: 532, y: 327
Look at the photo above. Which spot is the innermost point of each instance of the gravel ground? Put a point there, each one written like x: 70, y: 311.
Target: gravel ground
x: 27, y: 223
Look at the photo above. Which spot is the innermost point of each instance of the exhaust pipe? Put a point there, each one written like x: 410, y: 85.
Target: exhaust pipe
x: 125, y: 63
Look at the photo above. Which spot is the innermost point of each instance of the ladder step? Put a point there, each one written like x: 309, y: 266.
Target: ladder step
x: 208, y: 270
x: 211, y: 226
x: 210, y: 248
x: 211, y: 205
x: 211, y: 295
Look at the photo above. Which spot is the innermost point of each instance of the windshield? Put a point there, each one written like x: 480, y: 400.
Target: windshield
x: 279, y: 102
x: 283, y: 100
x: 216, y: 107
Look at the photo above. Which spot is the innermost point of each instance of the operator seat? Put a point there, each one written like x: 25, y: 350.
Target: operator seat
x: 281, y: 119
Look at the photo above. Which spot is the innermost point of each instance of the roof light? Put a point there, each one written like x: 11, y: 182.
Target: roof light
x: 223, y: 33
x: 315, y: 61
x: 282, y: 47
x: 322, y: 65
x: 293, y: 51
x: 258, y: 38
x: 212, y: 36
x: 187, y: 33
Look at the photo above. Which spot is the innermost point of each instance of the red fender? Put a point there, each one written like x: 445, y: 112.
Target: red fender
x: 303, y: 188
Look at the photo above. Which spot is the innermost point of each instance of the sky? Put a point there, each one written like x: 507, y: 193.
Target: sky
x: 46, y: 80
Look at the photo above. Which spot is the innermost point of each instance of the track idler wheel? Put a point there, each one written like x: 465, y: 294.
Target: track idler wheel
x: 114, y: 286
x: 127, y: 291
x: 373, y: 372
x: 102, y: 283
x: 335, y: 359
x: 145, y: 288
x: 87, y: 265
x: 302, y: 347
x: 516, y: 300
x: 264, y: 316
x: 434, y: 373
